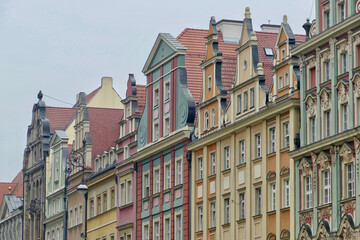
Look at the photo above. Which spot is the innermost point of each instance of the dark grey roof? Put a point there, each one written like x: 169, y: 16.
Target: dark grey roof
x: 175, y: 43
x: 13, y: 202
x: 61, y: 134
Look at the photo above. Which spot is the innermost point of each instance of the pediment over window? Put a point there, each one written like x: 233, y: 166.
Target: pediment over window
x: 347, y: 152
x: 284, y: 171
x: 323, y: 159
x: 271, y: 175
x: 343, y: 90
x: 325, y: 96
x: 356, y: 81
x: 310, y: 101
x: 305, y: 166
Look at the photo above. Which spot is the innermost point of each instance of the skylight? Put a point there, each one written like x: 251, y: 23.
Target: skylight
x: 268, y: 52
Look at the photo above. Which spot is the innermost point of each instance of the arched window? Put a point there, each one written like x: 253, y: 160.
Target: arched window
x: 206, y: 121
x: 213, y: 117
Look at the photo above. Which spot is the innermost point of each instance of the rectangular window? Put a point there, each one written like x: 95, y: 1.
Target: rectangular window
x: 167, y: 176
x: 146, y: 232
x: 167, y: 91
x: 350, y: 180
x: 129, y: 192
x: 167, y: 229
x: 252, y: 97
x: 112, y: 195
x: 327, y: 186
x: 286, y: 193
x: 308, y: 192
x: 273, y: 197
x: 327, y: 70
x: 286, y: 135
x: 327, y: 124
x: 179, y: 179
x: 282, y: 54
x: 312, y: 129
x: 105, y: 202
x: 212, y: 214
x: 213, y: 163
x: 156, y: 231
x: 178, y: 227
x: 122, y: 194
x: 156, y: 97
x: 312, y: 78
x: 156, y: 132
x: 242, y: 151
x: 157, y: 181
x: 209, y: 83
x: 80, y: 214
x: 226, y: 210
x: 227, y: 157
x: 239, y: 103
x: 242, y: 206
x: 200, y: 218
x: 258, y: 145
x: 146, y: 185
x: 286, y: 80
x: 76, y: 217
x: 92, y: 212
x: 272, y: 140
x: 200, y: 168
x: 98, y: 205
x: 167, y: 126
x: 258, y: 201
x: 326, y: 20
x: 341, y: 12
x: 344, y: 62
x: 280, y: 82
x: 345, y: 112
x: 246, y: 99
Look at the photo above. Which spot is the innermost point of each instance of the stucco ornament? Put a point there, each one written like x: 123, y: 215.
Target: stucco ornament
x: 306, y: 218
x: 305, y: 167
x: 333, y: 151
x: 357, y: 85
x: 324, y: 214
x: 342, y: 93
x: 332, y: 49
x: 357, y: 8
x: 311, y: 106
x: 325, y: 100
x: 323, y: 161
x: 357, y: 145
x: 326, y: 7
x: 346, y: 153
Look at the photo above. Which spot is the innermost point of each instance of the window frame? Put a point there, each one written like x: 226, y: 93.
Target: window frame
x: 227, y: 158
x: 286, y: 134
x: 258, y: 145
x: 308, y: 192
x: 226, y: 210
x: 200, y: 169
x: 242, y: 158
x: 212, y: 163
x: 272, y: 140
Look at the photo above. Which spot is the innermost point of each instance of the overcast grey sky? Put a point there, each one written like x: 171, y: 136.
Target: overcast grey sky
x: 64, y: 47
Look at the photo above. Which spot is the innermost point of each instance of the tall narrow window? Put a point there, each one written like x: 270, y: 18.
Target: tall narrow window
x: 312, y: 78
x: 213, y: 117
x: 167, y: 91
x: 286, y: 135
x: 213, y: 163
x: 98, y: 205
x: 212, y: 214
x: 272, y: 140
x: 273, y: 197
x: 326, y: 20
x: 283, y: 54
x: 350, y: 180
x: 312, y: 129
x: 341, y: 11
x: 112, y: 196
x: 239, y: 103
x: 246, y: 100
x: 327, y: 186
x: 327, y: 70
x: 286, y: 79
x: 157, y: 231
x: 226, y: 210
x: 206, y: 121
x: 167, y: 126
x: 358, y: 111
x: 179, y: 227
x: 146, y: 185
x: 156, y: 132
x: 258, y: 145
x: 280, y: 82
x: 179, y: 172
x: 122, y: 194
x: 200, y: 218
x: 92, y: 208
x: 209, y: 83
x: 345, y: 112
x: 146, y: 232
x: 157, y: 181
x: 129, y: 192
x: 258, y: 201
x: 168, y: 177
x: 252, y: 98
x: 242, y: 206
x: 344, y: 62
x: 327, y: 124
x: 105, y: 200
x: 227, y: 157
x: 200, y: 168
x: 286, y: 193
x: 156, y: 97
x: 308, y: 192
x: 242, y: 151
x: 167, y: 229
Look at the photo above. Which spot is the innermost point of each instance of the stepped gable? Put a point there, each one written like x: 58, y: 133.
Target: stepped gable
x: 266, y: 40
x: 194, y: 40
x: 141, y: 94
x: 104, y: 128
x: 59, y: 117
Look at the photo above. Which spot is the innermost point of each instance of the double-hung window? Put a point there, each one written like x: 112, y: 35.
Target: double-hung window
x: 239, y: 103
x: 156, y: 97
x: 312, y: 129
x: 157, y: 181
x: 212, y: 214
x: 179, y: 228
x: 157, y: 231
x: 327, y: 70
x: 286, y: 135
x: 246, y: 100
x: 258, y: 145
x: 327, y: 124
x: 344, y: 62
x: 200, y: 168
x: 226, y: 210
x: 327, y: 186
x: 167, y: 91
x: 179, y: 177
x: 258, y: 201
x: 167, y: 176
x: 213, y: 163
x: 272, y: 140
x: 350, y: 180
x: 200, y: 218
x: 167, y: 229
x: 242, y: 151
x: 273, y: 197
x: 252, y: 97
x: 146, y: 185
x: 227, y: 157
x: 242, y: 206
x: 308, y: 192
x: 286, y: 193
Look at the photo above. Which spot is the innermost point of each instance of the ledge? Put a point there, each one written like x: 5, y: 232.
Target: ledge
x: 125, y: 205
x: 257, y: 216
x: 257, y: 159
x: 241, y: 220
x: 241, y: 165
x: 284, y: 209
x: 272, y: 212
x: 324, y: 205
x: 226, y: 171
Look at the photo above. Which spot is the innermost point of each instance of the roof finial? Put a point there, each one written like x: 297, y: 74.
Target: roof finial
x: 10, y: 188
x: 247, y: 12
x: 213, y: 18
x: 285, y: 21
x: 40, y: 95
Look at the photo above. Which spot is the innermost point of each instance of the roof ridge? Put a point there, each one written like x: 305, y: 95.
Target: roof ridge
x: 60, y: 107
x: 187, y: 29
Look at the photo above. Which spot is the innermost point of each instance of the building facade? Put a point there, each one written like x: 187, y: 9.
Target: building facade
x: 327, y: 162
x: 241, y: 180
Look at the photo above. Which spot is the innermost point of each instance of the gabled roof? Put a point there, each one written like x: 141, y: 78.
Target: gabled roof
x: 104, y: 128
x: 91, y: 95
x: 59, y: 117
x: 13, y: 202
x: 4, y: 189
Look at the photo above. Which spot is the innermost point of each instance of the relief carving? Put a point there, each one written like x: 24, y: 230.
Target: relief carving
x: 305, y: 166
x: 310, y: 106
x: 342, y: 93
x: 325, y: 100
x: 357, y: 85
x: 323, y: 161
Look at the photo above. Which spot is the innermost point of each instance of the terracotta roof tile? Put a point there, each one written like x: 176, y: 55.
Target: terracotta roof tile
x: 4, y: 189
x: 141, y: 94
x: 266, y: 40
x: 18, y: 178
x: 104, y: 128
x: 59, y: 117
x: 299, y: 39
x: 91, y: 95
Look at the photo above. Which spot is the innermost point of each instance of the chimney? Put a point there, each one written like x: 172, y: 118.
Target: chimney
x: 307, y: 26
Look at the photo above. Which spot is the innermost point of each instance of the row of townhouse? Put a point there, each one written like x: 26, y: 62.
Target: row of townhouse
x: 237, y: 134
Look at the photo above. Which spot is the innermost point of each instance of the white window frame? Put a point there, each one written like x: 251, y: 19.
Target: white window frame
x: 179, y: 173
x: 206, y: 120
x: 122, y: 194
x: 239, y: 103
x: 246, y: 100
x: 286, y: 193
x: 167, y: 126
x: 308, y: 192
x: 167, y: 176
x: 167, y: 90
x: 345, y: 116
x: 226, y: 210
x: 241, y: 205
x: 258, y: 145
x: 327, y: 123
x: 312, y: 129
x: 156, y: 97
x: 272, y: 140
x: 146, y: 190
x: 200, y: 218
x: 156, y: 185
x: 167, y: 228
x: 146, y: 232
x: 280, y: 81
x: 344, y: 62
x: 257, y: 201
x: 350, y: 177
x: 252, y: 97
x: 286, y: 135
x: 200, y: 168
x: 242, y: 151
x: 213, y: 163
x: 212, y: 209
x: 226, y: 157
x: 326, y: 186
x: 156, y: 230
x: 286, y: 79
x: 213, y: 117
x: 272, y: 204
x: 178, y: 227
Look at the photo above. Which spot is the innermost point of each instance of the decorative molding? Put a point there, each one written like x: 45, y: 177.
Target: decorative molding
x: 323, y: 160
x: 356, y: 81
x: 305, y: 166
x: 343, y: 91
x: 310, y: 105
x: 325, y: 97
x: 347, y: 153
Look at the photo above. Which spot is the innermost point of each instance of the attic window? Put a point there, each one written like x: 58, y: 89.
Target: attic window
x: 269, y: 52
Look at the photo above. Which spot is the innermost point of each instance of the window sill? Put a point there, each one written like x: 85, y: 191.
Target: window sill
x: 178, y: 186
x: 257, y: 216
x: 199, y: 180
x: 324, y: 205
x: 212, y: 176
x: 257, y: 159
x: 272, y: 212
x: 271, y: 154
x: 156, y: 195
x: 211, y: 228
x: 343, y: 75
x: 199, y: 232
x: 241, y: 220
x: 285, y: 149
x: 167, y: 191
x: 146, y: 198
x: 285, y: 209
x: 241, y: 165
x: 125, y: 205
x: 226, y: 171
x: 306, y: 210
x: 226, y: 225
x: 347, y: 199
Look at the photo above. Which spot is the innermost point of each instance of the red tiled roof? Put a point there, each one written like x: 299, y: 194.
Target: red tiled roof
x: 141, y: 94
x: 299, y: 39
x: 266, y: 40
x: 18, y: 178
x: 59, y: 117
x: 4, y: 189
x: 91, y: 95
x: 18, y: 191
x: 104, y: 128
x: 194, y: 40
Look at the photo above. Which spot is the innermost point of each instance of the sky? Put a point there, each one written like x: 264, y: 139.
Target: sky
x: 66, y: 47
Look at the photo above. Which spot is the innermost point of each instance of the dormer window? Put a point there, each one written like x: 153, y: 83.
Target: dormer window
x: 209, y: 83
x: 269, y: 52
x: 282, y: 54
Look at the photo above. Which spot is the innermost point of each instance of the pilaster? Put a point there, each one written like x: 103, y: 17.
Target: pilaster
x: 205, y: 193
x: 357, y: 184
x: 334, y: 96
x: 315, y: 192
x: 318, y: 100
x: 336, y: 194
x: 233, y: 188
x: 332, y: 12
x: 193, y: 206
x: 249, y: 205
x: 218, y: 191
x: 302, y: 102
x: 317, y: 15
x: 263, y: 178
x: 278, y: 182
x: 351, y: 84
x: 292, y: 128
